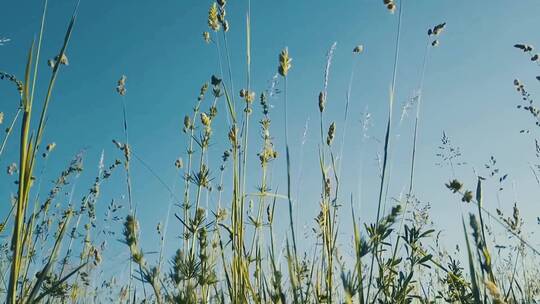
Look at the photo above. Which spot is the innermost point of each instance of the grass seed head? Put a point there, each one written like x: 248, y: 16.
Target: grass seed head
x: 206, y: 37
x: 215, y: 81
x: 50, y: 147
x: 121, y: 85
x: 205, y: 120
x: 322, y: 101
x: 131, y: 228
x: 179, y: 164
x: 232, y: 135
x: 390, y: 5
x: 12, y: 169
x: 53, y: 62
x: 213, y: 21
x: 331, y: 133
x: 524, y: 47
x: 284, y: 62
x: 187, y: 123
x: 438, y: 29
x: 454, y: 185
x: 467, y: 196
x: 202, y: 91
x: 14, y: 80
x: 358, y: 49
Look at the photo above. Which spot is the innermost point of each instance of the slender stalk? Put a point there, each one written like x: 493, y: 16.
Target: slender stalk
x: 21, y: 200
x: 132, y: 208
x: 387, y: 138
x: 10, y: 130
x: 288, y: 160
x: 188, y: 177
x: 415, y: 139
x: 346, y: 116
x: 166, y: 224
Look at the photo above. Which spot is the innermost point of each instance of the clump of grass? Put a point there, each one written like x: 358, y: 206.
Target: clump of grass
x: 223, y: 256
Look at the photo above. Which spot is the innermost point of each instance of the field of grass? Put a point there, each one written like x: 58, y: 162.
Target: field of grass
x: 232, y: 251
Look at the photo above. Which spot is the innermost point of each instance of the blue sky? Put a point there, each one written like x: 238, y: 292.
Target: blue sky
x: 468, y: 93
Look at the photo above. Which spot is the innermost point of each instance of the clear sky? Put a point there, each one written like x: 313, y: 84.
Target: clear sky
x: 468, y: 93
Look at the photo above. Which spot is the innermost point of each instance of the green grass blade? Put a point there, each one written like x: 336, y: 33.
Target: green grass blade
x: 475, y: 288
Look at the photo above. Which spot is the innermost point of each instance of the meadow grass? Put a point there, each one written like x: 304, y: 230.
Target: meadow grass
x: 229, y: 254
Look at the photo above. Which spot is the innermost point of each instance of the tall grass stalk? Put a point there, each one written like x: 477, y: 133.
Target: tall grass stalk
x: 28, y: 147
x: 414, y: 145
x: 346, y: 114
x: 387, y: 138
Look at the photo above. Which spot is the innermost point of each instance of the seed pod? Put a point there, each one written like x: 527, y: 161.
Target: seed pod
x: 179, y: 163
x: 327, y: 186
x: 250, y: 97
x: 213, y: 21
x: 322, y: 101
x: 206, y: 36
x: 391, y: 7
x: 439, y: 28
x: 121, y: 85
x: 50, y: 147
x: 205, y: 120
x: 11, y: 169
x: 63, y: 60
x: 232, y: 135
x: 187, y: 122
x: 284, y: 62
x: 467, y: 196
x: 358, y: 49
x: 331, y: 134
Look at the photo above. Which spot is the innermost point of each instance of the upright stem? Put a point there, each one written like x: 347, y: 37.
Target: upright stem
x: 186, y: 204
x: 413, y: 156
x: 9, y: 130
x: 387, y: 139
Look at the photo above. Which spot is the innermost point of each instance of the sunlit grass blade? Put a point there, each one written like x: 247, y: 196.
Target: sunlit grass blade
x: 472, y: 272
